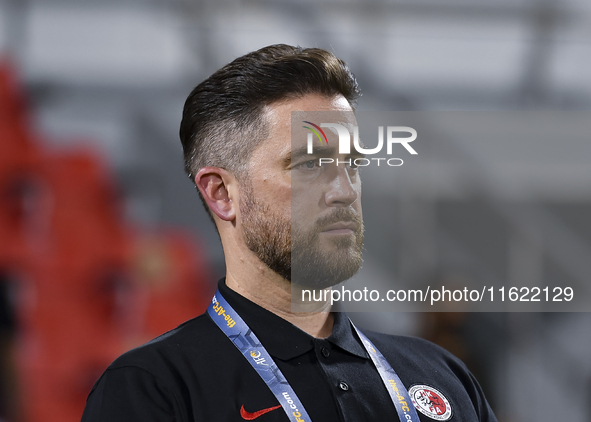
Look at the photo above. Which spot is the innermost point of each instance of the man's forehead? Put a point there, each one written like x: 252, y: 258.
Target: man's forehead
x: 320, y: 129
x: 284, y: 120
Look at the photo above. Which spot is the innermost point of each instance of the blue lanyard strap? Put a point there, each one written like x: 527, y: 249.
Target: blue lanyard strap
x: 251, y: 348
x: 228, y: 320
x: 397, y: 391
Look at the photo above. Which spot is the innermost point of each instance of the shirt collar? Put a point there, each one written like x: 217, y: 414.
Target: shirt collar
x: 281, y: 338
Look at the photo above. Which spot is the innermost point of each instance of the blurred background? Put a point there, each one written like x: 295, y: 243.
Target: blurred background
x: 104, y: 244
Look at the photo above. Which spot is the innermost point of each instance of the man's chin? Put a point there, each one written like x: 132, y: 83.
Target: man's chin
x: 326, y: 273
x: 315, y: 284
x: 335, y: 243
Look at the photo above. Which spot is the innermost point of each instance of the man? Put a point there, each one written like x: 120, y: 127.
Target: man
x: 250, y: 357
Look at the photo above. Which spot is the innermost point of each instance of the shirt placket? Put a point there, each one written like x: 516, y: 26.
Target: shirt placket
x: 342, y: 385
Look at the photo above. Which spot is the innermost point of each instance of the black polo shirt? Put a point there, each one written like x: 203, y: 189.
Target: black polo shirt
x: 194, y: 373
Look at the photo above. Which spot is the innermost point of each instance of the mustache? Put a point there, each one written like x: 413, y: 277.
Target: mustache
x: 338, y: 215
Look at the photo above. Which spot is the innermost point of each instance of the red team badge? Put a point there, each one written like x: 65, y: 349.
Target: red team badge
x: 430, y: 402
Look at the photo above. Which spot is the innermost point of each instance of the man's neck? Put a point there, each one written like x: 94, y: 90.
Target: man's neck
x: 274, y: 293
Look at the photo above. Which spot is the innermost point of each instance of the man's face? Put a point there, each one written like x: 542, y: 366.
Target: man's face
x: 302, y: 219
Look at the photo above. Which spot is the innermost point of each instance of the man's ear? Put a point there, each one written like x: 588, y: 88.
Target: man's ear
x: 213, y: 183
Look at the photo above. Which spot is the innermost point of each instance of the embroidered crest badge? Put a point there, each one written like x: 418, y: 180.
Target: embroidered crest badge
x: 430, y: 402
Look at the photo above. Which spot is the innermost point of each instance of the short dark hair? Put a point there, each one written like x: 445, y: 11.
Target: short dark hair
x: 222, y: 118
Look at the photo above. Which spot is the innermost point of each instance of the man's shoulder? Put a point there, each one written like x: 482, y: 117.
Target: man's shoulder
x: 189, y: 338
x: 404, y: 343
x: 416, y: 352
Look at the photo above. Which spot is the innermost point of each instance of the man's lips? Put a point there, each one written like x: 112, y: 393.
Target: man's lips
x: 344, y: 227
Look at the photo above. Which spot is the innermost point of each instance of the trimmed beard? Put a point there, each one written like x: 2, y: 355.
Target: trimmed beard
x: 295, y: 254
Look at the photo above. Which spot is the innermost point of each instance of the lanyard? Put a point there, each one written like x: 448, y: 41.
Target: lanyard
x: 397, y: 391
x: 234, y: 327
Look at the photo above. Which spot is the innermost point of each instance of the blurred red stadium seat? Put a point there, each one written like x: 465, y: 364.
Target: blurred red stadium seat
x: 89, y: 287
x: 170, y: 270
x: 18, y: 158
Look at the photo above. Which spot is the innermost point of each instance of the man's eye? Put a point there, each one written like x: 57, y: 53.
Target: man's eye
x: 310, y: 164
x: 352, y: 166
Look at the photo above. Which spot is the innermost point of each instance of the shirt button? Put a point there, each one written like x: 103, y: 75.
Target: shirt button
x: 343, y: 386
x: 325, y: 352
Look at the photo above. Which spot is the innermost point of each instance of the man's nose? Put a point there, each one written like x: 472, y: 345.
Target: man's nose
x: 342, y: 191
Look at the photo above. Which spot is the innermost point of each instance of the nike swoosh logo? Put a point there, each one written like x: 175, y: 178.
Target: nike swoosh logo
x: 252, y: 416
